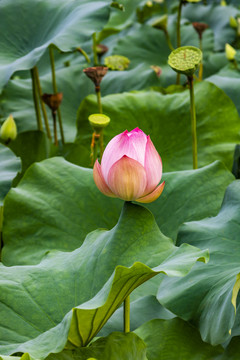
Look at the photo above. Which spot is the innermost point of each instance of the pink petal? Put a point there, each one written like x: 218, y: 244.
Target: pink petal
x: 131, y: 144
x: 153, y: 166
x: 99, y: 180
x: 154, y: 195
x: 127, y: 179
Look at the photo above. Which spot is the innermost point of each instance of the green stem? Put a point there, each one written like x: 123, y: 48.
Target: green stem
x: 36, y: 77
x: 200, y: 73
x: 168, y: 40
x: 55, y: 128
x: 95, y: 58
x: 126, y: 314
x: 95, y: 150
x: 54, y: 84
x: 193, y: 122
x: 36, y: 103
x: 179, y: 23
x: 84, y: 54
x: 101, y: 144
x: 179, y: 33
x: 98, y: 93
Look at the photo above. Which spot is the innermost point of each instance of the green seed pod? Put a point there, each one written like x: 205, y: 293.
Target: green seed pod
x: 9, y: 129
x: 98, y: 121
x: 117, y: 62
x: 185, y: 60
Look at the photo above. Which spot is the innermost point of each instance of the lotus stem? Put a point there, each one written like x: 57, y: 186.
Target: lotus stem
x: 193, y: 122
x: 36, y: 77
x: 36, y: 103
x: 168, y: 40
x: 95, y: 57
x: 98, y: 93
x: 200, y: 73
x: 54, y: 84
x: 55, y: 127
x: 94, y: 147
x: 84, y: 54
x: 126, y: 314
x: 179, y: 33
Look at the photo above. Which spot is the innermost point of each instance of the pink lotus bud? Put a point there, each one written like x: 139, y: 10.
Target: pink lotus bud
x: 131, y: 168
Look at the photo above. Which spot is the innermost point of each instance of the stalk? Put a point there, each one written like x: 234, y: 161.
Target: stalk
x: 98, y: 93
x: 179, y: 33
x: 95, y: 57
x: 36, y: 77
x: 168, y: 40
x: 193, y: 122
x: 55, y: 127
x: 200, y: 74
x: 126, y: 314
x: 54, y: 84
x: 36, y: 103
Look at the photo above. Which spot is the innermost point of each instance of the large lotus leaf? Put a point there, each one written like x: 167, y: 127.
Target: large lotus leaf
x: 208, y: 296
x: 217, y: 17
x: 167, y: 119
x: 228, y: 79
x: 32, y: 146
x: 175, y: 339
x: 117, y: 346
x: 36, y: 315
x: 48, y: 208
x: 29, y: 27
x: 9, y: 167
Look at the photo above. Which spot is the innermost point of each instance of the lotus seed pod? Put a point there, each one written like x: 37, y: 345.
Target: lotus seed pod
x: 230, y: 52
x: 117, y: 62
x: 53, y: 101
x: 9, y: 129
x: 98, y: 121
x: 96, y: 73
x: 185, y: 60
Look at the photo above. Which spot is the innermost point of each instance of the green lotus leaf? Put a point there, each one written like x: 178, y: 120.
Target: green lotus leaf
x: 228, y: 80
x: 166, y: 118
x: 117, y: 346
x: 208, y: 296
x: 32, y: 146
x: 175, y: 339
x: 185, y: 60
x: 55, y: 193
x: 36, y: 315
x: 9, y: 167
x: 25, y: 38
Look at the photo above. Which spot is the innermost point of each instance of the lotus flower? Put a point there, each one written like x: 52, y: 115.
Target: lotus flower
x: 131, y: 168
